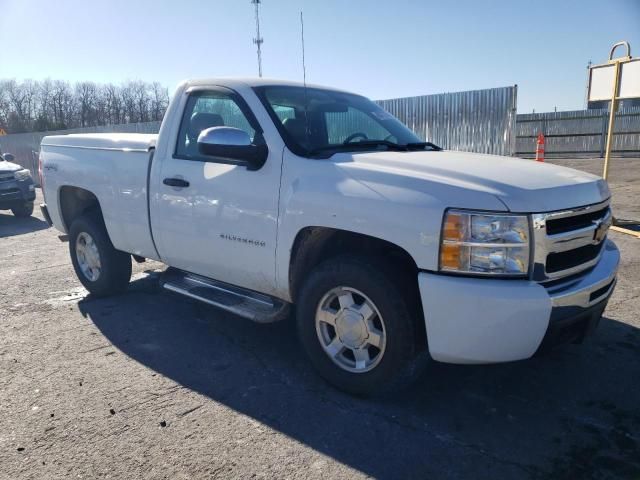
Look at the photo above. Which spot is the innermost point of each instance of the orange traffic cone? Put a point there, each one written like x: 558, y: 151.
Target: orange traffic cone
x: 540, y: 148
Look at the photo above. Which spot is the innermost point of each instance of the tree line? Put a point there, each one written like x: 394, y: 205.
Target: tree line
x: 37, y: 106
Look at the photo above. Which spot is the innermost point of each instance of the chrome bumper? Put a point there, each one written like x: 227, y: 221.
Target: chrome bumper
x: 578, y: 305
x: 590, y: 289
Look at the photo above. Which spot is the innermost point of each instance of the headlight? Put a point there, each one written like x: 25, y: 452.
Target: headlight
x: 22, y: 174
x: 485, y: 244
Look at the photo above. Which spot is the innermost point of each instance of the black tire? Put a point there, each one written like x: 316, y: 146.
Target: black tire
x: 402, y: 360
x: 23, y: 210
x: 115, y: 266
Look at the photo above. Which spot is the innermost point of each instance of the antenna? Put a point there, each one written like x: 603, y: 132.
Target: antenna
x: 304, y: 67
x: 304, y: 82
x: 258, y: 40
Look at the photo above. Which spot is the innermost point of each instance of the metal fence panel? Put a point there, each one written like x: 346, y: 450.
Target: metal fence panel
x: 580, y: 133
x: 480, y: 121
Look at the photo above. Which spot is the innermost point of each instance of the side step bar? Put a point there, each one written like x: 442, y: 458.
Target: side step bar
x: 245, y: 303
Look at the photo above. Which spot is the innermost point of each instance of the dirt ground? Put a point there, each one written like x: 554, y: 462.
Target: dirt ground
x: 151, y: 385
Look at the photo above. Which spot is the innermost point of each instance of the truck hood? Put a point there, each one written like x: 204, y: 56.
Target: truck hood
x: 521, y: 185
x: 6, y: 167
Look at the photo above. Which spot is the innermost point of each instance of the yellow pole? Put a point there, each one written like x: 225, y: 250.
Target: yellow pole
x: 612, y: 119
x: 615, y: 228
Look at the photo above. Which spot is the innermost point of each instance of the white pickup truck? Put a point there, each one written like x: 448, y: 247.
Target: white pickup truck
x: 261, y: 195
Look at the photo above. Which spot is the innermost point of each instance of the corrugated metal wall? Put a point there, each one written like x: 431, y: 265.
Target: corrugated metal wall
x: 480, y: 121
x: 581, y: 133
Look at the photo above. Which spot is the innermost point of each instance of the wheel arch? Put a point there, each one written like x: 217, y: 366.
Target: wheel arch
x: 313, y: 245
x: 75, y: 201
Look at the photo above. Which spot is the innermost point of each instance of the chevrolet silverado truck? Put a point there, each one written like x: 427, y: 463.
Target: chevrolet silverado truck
x: 265, y: 195
x: 17, y: 189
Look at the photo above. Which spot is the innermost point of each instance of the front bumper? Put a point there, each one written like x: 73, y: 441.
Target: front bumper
x: 480, y: 320
x: 16, y: 192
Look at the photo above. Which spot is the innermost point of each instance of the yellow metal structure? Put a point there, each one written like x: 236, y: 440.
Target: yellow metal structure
x: 615, y: 96
x: 617, y: 62
x: 625, y: 230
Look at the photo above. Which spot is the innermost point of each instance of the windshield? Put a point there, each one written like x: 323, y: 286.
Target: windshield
x: 318, y: 122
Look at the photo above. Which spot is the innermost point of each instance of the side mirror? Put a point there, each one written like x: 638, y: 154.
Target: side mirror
x: 232, y: 143
x: 9, y: 157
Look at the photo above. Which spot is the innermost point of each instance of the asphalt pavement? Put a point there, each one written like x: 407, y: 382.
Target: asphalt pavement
x: 152, y: 385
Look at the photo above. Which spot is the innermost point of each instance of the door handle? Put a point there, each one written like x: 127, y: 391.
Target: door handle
x: 176, y: 182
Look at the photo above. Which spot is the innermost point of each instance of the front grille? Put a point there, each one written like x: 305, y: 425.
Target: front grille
x: 572, y: 258
x: 6, y: 178
x: 9, y: 191
x: 567, y: 243
x: 567, y: 224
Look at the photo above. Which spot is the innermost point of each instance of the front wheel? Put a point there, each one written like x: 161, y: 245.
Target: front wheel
x: 357, y: 329
x: 23, y: 210
x: 101, y: 268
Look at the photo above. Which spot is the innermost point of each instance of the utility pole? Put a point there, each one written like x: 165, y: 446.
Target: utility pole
x: 258, y: 40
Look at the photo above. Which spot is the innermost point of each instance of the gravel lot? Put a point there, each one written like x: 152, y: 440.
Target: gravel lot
x: 151, y: 385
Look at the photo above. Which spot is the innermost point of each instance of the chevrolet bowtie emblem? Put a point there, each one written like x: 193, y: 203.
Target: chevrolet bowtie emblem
x: 602, y: 227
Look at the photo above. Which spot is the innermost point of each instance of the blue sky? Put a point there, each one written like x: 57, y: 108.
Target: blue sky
x: 381, y: 49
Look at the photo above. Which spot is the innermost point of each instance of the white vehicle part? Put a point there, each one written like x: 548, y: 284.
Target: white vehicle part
x: 481, y: 320
x: 224, y: 224
x: 114, y: 168
x: 392, y: 206
x: 522, y: 185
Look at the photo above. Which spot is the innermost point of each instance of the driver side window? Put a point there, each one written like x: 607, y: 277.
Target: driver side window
x: 205, y: 110
x: 342, y: 125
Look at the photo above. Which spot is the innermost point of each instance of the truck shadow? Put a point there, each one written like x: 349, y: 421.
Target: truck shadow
x: 11, y: 225
x: 565, y: 415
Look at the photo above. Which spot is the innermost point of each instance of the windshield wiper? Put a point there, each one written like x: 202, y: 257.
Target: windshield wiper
x: 368, y: 144
x: 422, y: 145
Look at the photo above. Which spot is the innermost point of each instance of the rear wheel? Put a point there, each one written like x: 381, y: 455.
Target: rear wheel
x: 357, y: 329
x: 101, y: 268
x: 23, y: 210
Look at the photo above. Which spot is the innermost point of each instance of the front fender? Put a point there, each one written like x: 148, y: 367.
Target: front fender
x: 331, y: 194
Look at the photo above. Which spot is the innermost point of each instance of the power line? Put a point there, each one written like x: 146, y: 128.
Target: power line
x: 258, y: 40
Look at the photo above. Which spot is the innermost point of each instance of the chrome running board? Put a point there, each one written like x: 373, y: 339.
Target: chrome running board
x: 237, y: 300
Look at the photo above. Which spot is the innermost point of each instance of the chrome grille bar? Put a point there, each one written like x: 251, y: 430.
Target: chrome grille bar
x: 567, y: 241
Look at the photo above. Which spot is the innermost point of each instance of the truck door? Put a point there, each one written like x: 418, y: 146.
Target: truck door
x: 212, y: 216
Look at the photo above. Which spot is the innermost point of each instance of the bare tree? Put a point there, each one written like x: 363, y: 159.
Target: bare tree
x: 44, y: 106
x: 17, y: 115
x: 113, y: 104
x: 63, y: 105
x: 85, y: 93
x: 57, y: 105
x: 5, y: 107
x: 159, y: 101
x: 143, y: 101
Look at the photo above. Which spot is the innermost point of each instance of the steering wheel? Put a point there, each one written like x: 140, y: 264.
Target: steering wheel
x: 353, y: 136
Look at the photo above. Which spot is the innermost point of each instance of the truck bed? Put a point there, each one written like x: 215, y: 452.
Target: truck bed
x: 111, y: 141
x: 114, y: 167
